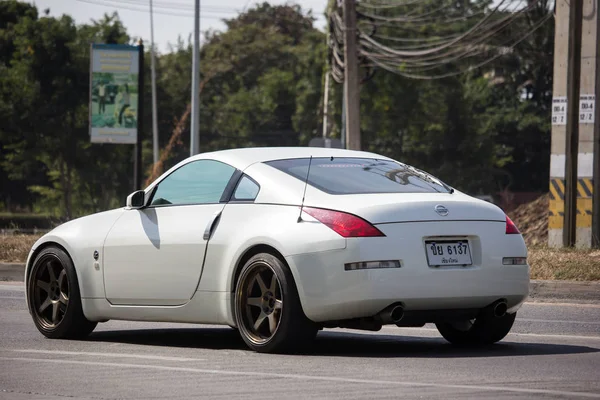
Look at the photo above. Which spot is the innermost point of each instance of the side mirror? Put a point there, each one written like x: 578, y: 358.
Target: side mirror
x: 136, y: 199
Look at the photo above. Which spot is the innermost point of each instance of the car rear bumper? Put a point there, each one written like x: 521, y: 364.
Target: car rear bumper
x: 328, y: 292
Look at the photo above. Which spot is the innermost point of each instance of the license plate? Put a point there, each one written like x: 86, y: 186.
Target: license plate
x: 446, y: 253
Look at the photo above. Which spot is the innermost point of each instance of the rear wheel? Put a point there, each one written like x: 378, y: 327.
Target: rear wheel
x: 267, y: 307
x: 480, y: 331
x: 53, y: 296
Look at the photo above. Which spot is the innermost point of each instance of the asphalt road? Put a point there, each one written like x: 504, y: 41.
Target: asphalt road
x: 553, y: 352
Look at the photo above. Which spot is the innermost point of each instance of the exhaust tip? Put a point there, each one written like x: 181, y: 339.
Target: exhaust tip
x: 500, y: 309
x: 397, y: 314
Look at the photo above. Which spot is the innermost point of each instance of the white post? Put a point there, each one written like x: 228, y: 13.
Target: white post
x: 153, y: 72
x: 195, y: 128
x: 325, y: 104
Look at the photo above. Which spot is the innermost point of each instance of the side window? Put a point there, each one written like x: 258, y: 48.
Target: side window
x: 246, y: 189
x: 198, y: 182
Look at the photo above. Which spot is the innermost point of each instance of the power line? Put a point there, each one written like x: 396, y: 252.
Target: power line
x: 174, y: 5
x: 417, y: 57
x: 474, y: 44
x: 169, y: 8
x: 396, y: 4
x: 107, y: 3
x: 398, y: 71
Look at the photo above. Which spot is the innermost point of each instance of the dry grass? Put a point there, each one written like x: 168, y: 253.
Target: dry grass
x: 15, y: 248
x: 564, y: 264
x: 546, y: 263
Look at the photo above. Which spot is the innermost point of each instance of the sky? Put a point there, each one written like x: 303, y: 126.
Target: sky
x: 172, y: 18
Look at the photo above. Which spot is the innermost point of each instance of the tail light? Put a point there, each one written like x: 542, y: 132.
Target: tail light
x: 511, y: 228
x: 346, y: 225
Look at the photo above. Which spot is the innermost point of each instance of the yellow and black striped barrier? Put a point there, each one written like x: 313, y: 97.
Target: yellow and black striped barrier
x: 556, y: 210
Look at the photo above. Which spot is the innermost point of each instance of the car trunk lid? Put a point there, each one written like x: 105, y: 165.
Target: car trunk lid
x: 382, y: 208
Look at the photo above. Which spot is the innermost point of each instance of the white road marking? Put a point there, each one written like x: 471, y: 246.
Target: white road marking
x: 512, y: 333
x: 558, y: 321
x: 13, y: 287
x: 489, y: 388
x: 543, y: 335
x: 550, y: 304
x: 122, y: 355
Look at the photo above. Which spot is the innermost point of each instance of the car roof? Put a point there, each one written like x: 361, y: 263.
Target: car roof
x: 244, y: 157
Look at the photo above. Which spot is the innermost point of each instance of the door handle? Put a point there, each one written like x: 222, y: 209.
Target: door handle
x: 210, y: 225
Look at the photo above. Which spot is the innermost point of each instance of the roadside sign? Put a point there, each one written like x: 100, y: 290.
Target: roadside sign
x: 114, y: 72
x: 559, y: 110
x: 586, y: 109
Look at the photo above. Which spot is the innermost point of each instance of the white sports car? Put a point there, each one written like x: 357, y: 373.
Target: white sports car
x: 282, y: 242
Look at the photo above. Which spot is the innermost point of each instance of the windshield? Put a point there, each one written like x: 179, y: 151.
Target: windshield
x: 341, y: 175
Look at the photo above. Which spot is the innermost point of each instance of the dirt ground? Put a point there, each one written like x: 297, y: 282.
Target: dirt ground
x: 532, y: 220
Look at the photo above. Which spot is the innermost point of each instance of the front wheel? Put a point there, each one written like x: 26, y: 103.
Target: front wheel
x: 268, y: 312
x: 53, y: 296
x: 480, y: 331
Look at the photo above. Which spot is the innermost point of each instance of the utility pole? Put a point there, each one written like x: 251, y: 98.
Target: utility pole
x: 351, y: 83
x: 325, y: 105
x: 596, y: 167
x: 153, y: 73
x: 343, y: 131
x: 572, y: 136
x: 195, y: 125
x: 137, y: 152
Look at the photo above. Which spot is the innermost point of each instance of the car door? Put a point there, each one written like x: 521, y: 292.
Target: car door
x: 155, y: 255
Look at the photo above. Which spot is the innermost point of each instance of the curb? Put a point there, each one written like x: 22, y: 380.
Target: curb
x: 541, y: 291
x: 12, y: 272
x: 564, y: 291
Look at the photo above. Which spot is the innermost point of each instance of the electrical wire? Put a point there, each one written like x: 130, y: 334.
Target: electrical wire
x: 175, y: 6
x: 106, y: 3
x: 418, y: 58
x: 389, y: 5
x: 444, y: 46
x: 397, y: 70
x: 461, y: 50
x: 451, y: 46
x: 417, y: 40
x: 407, y: 17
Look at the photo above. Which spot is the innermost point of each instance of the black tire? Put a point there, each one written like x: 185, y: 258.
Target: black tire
x: 54, y: 298
x: 483, y: 331
x: 293, y: 331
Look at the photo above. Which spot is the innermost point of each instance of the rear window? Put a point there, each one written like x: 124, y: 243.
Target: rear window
x: 360, y: 175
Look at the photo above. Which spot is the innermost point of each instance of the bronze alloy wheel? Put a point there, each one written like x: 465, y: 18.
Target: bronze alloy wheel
x: 51, y: 292
x: 260, y: 302
x: 54, y: 298
x: 267, y: 309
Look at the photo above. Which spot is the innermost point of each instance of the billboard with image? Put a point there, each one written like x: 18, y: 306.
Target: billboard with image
x: 114, y: 93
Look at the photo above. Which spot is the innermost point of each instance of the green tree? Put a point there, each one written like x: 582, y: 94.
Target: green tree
x: 44, y: 108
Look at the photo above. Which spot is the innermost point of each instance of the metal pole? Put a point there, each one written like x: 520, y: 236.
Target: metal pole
x: 572, y: 137
x: 137, y: 152
x: 325, y: 104
x: 351, y: 83
x: 195, y: 128
x: 343, y: 130
x: 153, y: 72
x: 596, y: 171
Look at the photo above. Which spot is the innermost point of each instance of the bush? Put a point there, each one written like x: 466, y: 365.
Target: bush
x: 27, y: 221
